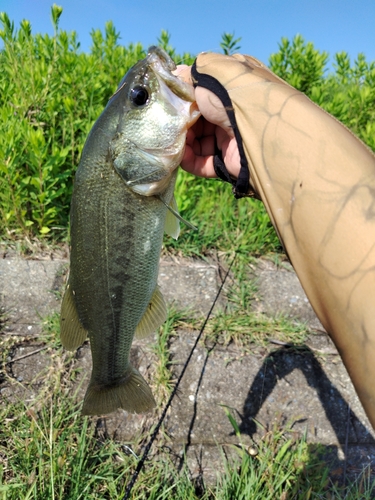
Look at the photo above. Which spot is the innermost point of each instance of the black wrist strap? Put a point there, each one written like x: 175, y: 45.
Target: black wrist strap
x: 241, y: 185
x: 220, y: 168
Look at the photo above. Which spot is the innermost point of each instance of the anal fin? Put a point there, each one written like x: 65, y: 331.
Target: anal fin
x: 72, y: 333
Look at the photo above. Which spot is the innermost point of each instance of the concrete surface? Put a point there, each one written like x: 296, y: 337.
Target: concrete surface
x: 306, y: 389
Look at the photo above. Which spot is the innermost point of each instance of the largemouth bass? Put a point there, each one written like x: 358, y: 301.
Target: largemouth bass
x: 123, y: 187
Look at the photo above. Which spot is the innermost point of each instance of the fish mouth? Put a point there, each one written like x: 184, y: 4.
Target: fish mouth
x: 194, y: 114
x: 163, y: 56
x: 163, y: 65
x: 171, y: 86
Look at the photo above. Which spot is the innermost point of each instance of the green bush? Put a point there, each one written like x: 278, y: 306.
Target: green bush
x: 51, y: 94
x: 299, y: 63
x: 50, y: 97
x: 348, y: 93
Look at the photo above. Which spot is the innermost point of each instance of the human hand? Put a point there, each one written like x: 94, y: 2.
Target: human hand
x: 212, y: 128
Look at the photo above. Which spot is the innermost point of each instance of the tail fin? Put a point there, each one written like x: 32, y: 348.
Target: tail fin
x: 130, y: 393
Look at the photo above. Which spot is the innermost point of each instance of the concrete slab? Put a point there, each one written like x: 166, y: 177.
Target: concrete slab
x: 280, y: 292
x: 29, y: 292
x: 305, y: 389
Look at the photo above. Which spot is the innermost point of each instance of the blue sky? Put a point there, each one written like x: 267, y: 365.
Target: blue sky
x: 197, y: 25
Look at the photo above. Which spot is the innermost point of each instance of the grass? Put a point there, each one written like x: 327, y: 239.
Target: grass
x: 277, y: 467
x: 47, y: 114
x: 49, y: 451
x: 54, y: 453
x: 248, y: 328
x: 223, y: 223
x: 163, y: 378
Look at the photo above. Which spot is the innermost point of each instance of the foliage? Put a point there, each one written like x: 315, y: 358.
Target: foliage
x: 278, y: 468
x: 50, y: 96
x: 164, y: 43
x: 222, y: 221
x: 229, y: 44
x: 51, y: 93
x: 299, y: 63
x: 48, y: 450
x: 348, y: 93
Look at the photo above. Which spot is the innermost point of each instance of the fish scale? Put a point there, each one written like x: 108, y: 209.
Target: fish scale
x: 124, y: 267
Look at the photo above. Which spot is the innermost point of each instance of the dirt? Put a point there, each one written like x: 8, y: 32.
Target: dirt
x: 305, y: 389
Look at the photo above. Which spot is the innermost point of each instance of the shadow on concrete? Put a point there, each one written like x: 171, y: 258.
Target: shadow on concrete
x: 350, y: 432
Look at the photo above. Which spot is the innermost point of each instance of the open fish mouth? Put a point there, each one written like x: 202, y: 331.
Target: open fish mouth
x: 163, y: 65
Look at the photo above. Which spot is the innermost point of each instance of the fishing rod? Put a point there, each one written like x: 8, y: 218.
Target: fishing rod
x: 158, y: 425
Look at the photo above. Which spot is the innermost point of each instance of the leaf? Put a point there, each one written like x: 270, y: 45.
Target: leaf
x: 56, y: 12
x: 232, y: 421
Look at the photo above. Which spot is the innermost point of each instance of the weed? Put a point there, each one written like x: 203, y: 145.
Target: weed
x: 248, y: 328
x: 48, y: 450
x: 51, y: 94
x: 163, y: 376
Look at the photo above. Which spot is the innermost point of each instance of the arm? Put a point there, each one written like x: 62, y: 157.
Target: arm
x: 317, y: 181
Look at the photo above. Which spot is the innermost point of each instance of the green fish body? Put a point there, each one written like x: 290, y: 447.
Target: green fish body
x: 123, y: 186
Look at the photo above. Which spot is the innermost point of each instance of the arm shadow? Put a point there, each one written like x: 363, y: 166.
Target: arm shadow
x: 352, y: 435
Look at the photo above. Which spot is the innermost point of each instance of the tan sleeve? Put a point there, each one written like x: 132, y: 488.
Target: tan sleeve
x: 317, y: 182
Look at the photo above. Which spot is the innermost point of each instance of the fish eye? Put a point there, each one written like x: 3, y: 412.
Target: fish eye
x: 139, y: 95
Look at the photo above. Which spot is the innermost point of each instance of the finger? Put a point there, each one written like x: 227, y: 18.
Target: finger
x: 198, y: 155
x: 201, y: 166
x: 212, y: 109
x: 183, y: 72
x: 201, y: 136
x: 231, y: 157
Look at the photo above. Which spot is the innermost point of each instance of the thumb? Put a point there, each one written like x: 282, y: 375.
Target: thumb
x: 212, y: 109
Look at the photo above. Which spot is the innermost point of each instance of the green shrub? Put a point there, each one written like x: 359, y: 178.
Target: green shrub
x: 348, y: 93
x: 299, y: 63
x: 51, y: 94
x: 50, y: 97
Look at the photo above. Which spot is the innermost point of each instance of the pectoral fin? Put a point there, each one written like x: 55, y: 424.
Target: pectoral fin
x: 72, y: 333
x: 155, y: 315
x: 172, y: 224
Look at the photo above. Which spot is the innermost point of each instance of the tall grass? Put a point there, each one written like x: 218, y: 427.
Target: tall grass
x: 222, y: 221
x: 48, y: 451
x: 51, y: 94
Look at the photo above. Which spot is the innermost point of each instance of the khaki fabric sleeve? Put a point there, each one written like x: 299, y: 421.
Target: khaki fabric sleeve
x: 317, y: 182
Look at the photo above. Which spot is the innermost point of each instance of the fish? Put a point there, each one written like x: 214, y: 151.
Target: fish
x: 122, y: 203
